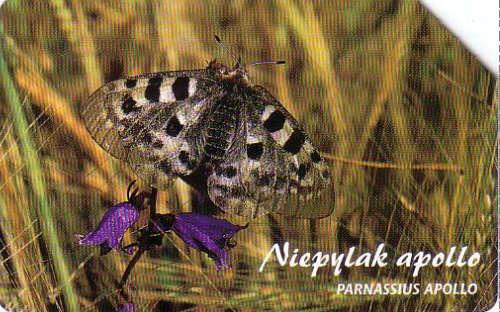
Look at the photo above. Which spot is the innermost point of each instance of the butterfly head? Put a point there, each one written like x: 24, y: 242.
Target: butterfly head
x: 236, y: 74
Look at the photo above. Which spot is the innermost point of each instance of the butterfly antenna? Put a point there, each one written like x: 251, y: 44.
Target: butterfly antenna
x: 266, y: 62
x: 237, y: 60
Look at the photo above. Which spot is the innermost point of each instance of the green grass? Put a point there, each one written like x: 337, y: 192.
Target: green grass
x: 40, y: 204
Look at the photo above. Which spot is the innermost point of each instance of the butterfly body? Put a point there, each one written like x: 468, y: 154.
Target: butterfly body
x: 229, y: 139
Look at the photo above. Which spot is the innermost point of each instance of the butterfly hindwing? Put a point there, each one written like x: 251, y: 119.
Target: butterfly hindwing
x: 272, y: 163
x: 147, y: 120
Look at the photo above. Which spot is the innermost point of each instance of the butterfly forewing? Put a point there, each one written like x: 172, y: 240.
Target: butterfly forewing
x: 149, y: 121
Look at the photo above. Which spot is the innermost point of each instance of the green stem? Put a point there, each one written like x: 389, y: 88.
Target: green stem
x: 37, y: 182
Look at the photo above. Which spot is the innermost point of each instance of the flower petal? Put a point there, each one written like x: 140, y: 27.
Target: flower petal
x: 213, y: 227
x: 207, y: 234
x: 113, y: 225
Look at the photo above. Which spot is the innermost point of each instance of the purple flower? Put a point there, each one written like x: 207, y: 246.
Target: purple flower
x: 205, y: 233
x: 128, y: 307
x: 114, y: 223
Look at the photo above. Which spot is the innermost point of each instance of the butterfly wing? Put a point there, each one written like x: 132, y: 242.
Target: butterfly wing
x: 271, y: 166
x: 151, y: 121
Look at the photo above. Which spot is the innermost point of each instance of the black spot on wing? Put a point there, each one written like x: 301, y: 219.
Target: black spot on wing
x: 152, y: 92
x: 155, y: 80
x: 315, y: 157
x: 295, y: 142
x: 128, y: 105
x: 173, y: 126
x: 302, y: 171
x: 180, y: 88
x: 275, y: 121
x: 130, y: 83
x: 254, y: 150
x: 184, y: 159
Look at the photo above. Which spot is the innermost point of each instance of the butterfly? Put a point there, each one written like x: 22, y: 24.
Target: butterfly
x: 229, y: 139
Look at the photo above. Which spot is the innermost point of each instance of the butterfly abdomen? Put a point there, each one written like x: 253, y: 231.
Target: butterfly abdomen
x: 221, y: 127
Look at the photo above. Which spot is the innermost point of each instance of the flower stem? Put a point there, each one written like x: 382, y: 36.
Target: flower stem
x: 152, y: 201
x: 130, y: 266
x: 142, y: 248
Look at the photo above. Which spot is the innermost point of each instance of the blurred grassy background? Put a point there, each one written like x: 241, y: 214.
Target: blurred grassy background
x: 376, y: 81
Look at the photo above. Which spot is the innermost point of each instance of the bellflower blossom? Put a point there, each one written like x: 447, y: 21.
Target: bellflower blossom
x: 202, y: 232
x: 208, y: 234
x: 114, y: 223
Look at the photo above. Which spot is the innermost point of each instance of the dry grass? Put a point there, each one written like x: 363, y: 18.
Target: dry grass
x: 404, y: 114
